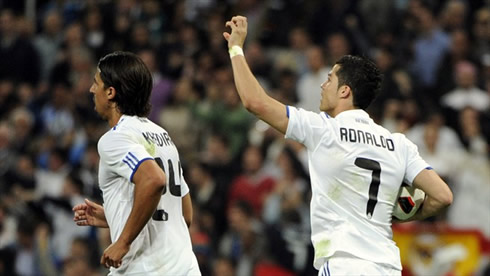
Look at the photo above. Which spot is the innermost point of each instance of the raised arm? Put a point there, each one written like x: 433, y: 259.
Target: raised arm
x: 252, y: 95
x: 149, y: 181
x: 438, y: 194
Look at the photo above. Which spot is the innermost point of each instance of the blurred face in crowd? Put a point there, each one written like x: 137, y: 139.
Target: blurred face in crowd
x: 431, y: 135
x: 252, y: 160
x: 197, y: 175
x: 337, y: 46
x: 298, y: 38
x: 469, y: 122
x: 237, y: 219
x: 7, y: 22
x: 426, y: 20
x: 315, y: 58
x: 223, y: 267
x: 76, y: 266
x: 4, y: 136
x: 148, y: 57
x: 465, y: 74
x: 454, y: 14
x: 53, y: 23
x: 74, y: 35
x: 230, y: 97
x: 459, y: 43
x: 481, y: 26
x: 384, y: 60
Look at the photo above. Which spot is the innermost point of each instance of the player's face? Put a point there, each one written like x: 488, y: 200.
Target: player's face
x: 329, y: 91
x: 100, y: 96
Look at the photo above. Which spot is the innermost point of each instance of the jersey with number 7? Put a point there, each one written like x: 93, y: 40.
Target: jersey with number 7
x: 163, y: 247
x: 356, y: 169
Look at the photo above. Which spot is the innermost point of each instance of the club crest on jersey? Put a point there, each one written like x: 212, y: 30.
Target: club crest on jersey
x: 359, y: 136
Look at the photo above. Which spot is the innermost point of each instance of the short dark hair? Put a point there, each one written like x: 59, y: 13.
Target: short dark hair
x: 131, y: 79
x: 362, y: 76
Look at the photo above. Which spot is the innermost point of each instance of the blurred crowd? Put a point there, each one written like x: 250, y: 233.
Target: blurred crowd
x: 250, y: 186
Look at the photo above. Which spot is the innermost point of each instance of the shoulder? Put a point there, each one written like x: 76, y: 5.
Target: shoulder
x: 404, y: 142
x: 120, y: 135
x: 400, y: 137
x: 296, y: 112
x: 113, y: 139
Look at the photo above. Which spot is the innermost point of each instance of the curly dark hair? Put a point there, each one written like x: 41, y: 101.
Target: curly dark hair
x: 131, y: 79
x: 363, y: 78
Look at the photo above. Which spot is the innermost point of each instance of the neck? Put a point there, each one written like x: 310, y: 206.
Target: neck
x: 339, y: 109
x: 114, y: 117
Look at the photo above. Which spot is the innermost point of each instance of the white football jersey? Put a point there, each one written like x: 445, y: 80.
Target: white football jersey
x: 163, y: 246
x: 356, y: 170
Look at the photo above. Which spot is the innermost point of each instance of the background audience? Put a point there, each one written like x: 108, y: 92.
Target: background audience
x: 249, y: 186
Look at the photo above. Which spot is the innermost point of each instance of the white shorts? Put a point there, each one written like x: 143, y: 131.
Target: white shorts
x: 346, y: 265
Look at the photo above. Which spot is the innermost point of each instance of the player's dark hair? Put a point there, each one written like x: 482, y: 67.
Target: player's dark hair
x: 131, y: 79
x: 363, y: 78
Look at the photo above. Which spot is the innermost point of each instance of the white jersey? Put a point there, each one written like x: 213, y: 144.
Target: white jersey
x: 163, y: 246
x: 356, y: 169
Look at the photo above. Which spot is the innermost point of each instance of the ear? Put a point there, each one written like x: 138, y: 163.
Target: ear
x: 345, y: 91
x: 111, y: 93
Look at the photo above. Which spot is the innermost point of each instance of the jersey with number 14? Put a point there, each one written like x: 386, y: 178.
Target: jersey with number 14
x: 356, y: 169
x: 163, y: 247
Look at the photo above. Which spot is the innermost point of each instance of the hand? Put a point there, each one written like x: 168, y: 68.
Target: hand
x: 114, y: 254
x: 89, y: 214
x: 238, y: 25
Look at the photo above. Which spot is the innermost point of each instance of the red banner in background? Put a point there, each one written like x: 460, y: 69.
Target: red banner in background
x: 437, y: 249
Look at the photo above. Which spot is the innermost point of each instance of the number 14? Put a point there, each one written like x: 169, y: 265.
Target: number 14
x: 160, y: 214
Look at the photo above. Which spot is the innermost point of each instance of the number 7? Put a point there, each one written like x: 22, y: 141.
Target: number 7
x: 374, y: 166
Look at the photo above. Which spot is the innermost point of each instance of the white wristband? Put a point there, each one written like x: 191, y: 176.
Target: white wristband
x: 235, y: 50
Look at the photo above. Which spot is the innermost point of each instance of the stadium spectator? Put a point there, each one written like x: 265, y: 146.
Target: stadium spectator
x: 162, y: 86
x: 309, y: 81
x: 20, y: 60
x: 466, y: 92
x: 459, y: 51
x: 48, y: 43
x: 253, y: 185
x: 453, y: 15
x: 429, y: 48
x: 244, y: 242
x: 481, y: 33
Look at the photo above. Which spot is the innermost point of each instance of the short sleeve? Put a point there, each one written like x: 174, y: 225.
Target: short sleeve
x: 121, y: 154
x: 415, y: 163
x: 184, y: 188
x: 305, y: 127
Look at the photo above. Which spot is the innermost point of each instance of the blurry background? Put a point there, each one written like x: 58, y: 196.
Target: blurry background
x: 250, y: 187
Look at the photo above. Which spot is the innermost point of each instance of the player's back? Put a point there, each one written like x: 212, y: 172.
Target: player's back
x: 356, y: 169
x: 163, y: 247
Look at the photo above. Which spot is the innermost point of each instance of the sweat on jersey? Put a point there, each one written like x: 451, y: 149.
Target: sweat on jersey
x: 356, y: 170
x: 163, y: 247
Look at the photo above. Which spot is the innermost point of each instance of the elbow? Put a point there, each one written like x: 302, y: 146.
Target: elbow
x: 188, y: 221
x: 254, y: 106
x: 159, y: 182
x: 445, y: 199
x: 249, y: 105
x: 448, y: 199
